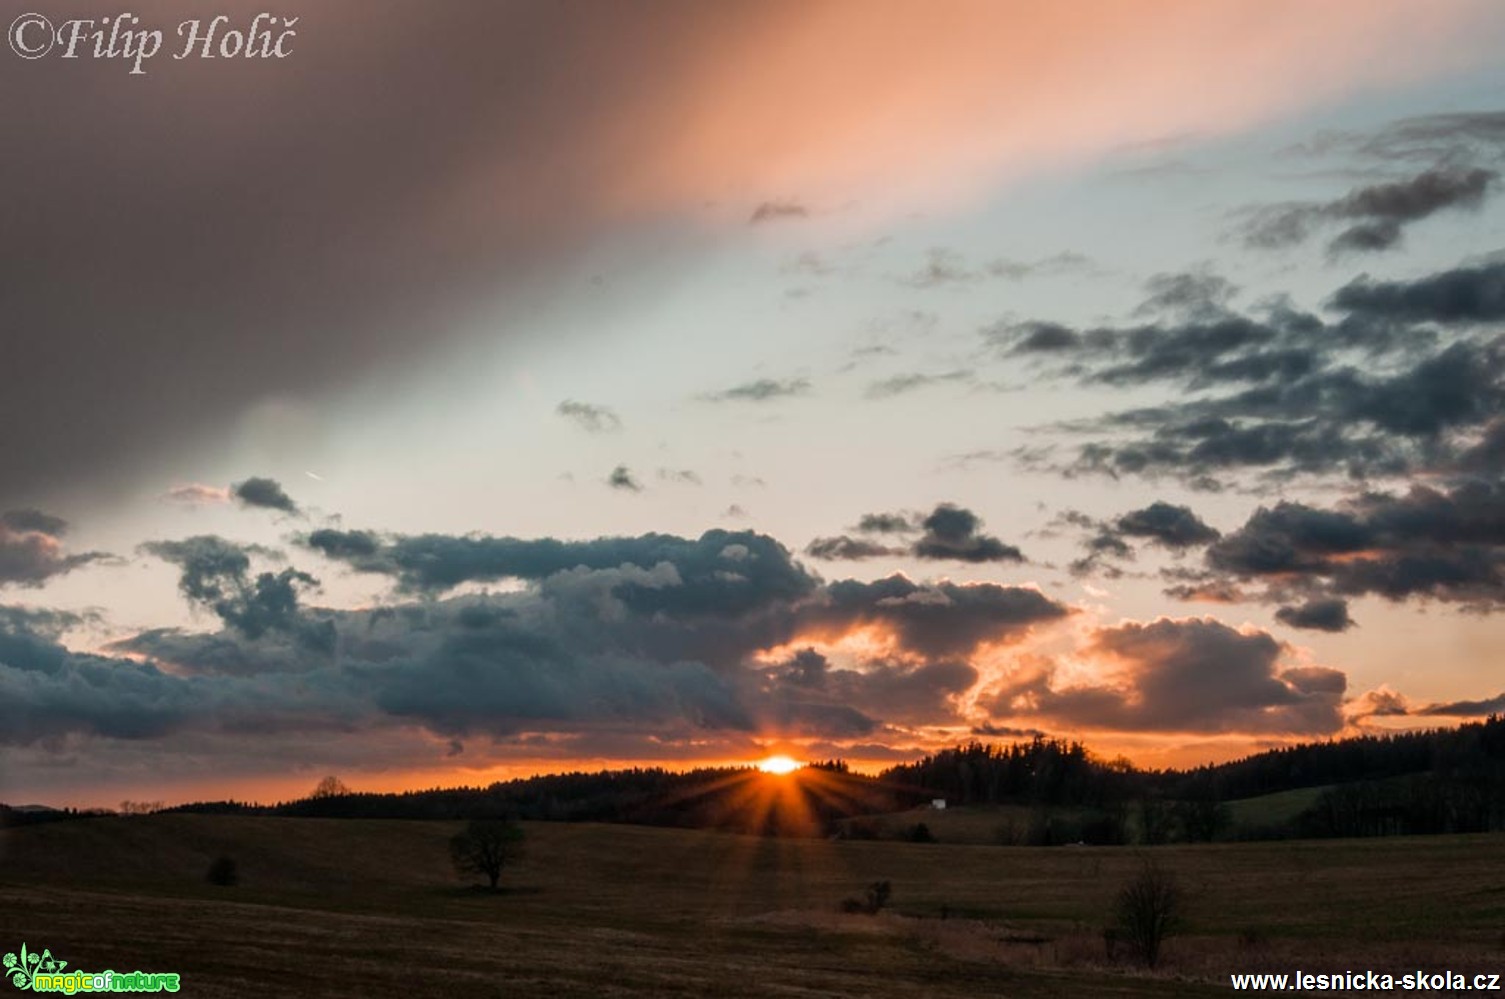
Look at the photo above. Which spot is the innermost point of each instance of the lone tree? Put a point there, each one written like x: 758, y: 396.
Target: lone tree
x: 1149, y: 909
x: 330, y: 787
x: 485, y: 847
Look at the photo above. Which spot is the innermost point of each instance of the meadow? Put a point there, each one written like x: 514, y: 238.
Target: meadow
x: 327, y: 907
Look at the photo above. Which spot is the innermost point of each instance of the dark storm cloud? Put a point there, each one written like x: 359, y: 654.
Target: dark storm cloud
x: 849, y: 702
x: 32, y: 549
x: 1466, y: 709
x: 1446, y: 545
x: 1170, y: 526
x: 1326, y: 614
x: 502, y: 678
x: 953, y: 532
x: 23, y: 521
x: 438, y: 562
x: 243, y: 230
x: 1462, y: 295
x: 1167, y: 524
x: 1375, y: 216
x: 621, y: 477
x: 762, y: 390
x: 844, y: 548
x: 1036, y: 337
x: 1381, y: 391
x: 47, y: 691
x: 1191, y: 675
x: 887, y: 523
x: 216, y: 575
x: 941, y: 619
x: 592, y: 419
x: 903, y: 693
x: 656, y: 634
x: 267, y: 494
x: 948, y: 532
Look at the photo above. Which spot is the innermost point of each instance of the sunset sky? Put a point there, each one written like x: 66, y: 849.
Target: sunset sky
x: 496, y: 388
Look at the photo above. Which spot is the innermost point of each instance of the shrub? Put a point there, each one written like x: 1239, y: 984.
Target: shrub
x: 876, y: 898
x: 1148, y: 909
x: 222, y: 872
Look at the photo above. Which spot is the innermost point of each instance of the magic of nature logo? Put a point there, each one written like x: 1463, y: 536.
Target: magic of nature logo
x: 41, y: 972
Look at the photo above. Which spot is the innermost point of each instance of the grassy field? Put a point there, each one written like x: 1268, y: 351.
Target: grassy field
x: 371, y: 908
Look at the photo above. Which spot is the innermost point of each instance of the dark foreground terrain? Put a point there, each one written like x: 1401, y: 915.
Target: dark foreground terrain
x: 372, y: 908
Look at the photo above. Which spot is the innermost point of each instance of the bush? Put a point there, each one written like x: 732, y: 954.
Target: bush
x: 222, y: 872
x: 877, y: 897
x: 1148, y: 909
x: 920, y: 833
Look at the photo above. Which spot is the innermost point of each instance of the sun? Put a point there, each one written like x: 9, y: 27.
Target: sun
x: 779, y: 765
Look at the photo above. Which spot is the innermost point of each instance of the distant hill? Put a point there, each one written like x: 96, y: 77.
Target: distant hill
x: 1056, y: 791
x: 734, y: 799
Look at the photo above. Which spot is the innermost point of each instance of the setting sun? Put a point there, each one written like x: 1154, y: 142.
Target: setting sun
x: 779, y: 765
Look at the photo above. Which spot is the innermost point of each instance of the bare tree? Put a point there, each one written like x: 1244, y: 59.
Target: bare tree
x: 330, y: 787
x: 485, y: 847
x: 1149, y: 909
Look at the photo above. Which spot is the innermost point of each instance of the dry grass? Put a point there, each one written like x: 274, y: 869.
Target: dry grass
x: 327, y: 907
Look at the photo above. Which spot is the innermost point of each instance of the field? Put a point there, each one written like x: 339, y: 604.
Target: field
x: 371, y: 908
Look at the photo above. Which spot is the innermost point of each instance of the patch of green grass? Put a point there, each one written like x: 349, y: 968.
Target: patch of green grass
x: 1272, y: 811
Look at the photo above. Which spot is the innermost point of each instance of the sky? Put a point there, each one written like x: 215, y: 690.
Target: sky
x: 503, y: 388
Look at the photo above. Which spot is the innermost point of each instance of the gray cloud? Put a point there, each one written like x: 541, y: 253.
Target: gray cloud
x: 1461, y: 295
x: 1167, y: 525
x: 1446, y: 545
x: 267, y: 494
x: 622, y: 478
x: 216, y: 575
x: 762, y: 390
x: 1447, y: 138
x: 942, y: 619
x: 888, y: 523
x: 1381, y: 391
x: 654, y: 634
x: 1375, y: 216
x: 33, y: 521
x: 944, y: 266
x: 32, y: 550
x: 1466, y: 709
x: 843, y: 547
x: 1190, y: 675
x: 592, y: 419
x: 948, y: 532
x: 901, y: 384
x: 1325, y: 614
x: 953, y: 532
